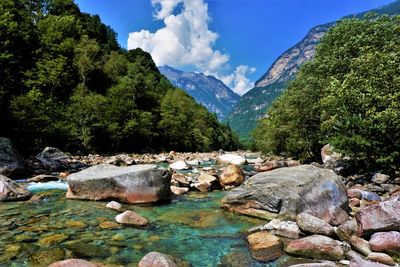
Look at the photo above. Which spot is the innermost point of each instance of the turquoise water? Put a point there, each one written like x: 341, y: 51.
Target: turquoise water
x: 193, y: 228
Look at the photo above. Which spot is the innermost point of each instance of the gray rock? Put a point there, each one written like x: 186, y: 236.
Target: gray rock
x: 11, y: 191
x: 284, y: 193
x: 380, y: 178
x: 53, y: 158
x: 11, y: 162
x: 133, y: 184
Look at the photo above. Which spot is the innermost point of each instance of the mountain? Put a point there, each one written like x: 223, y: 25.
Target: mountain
x: 205, y: 89
x: 253, y: 105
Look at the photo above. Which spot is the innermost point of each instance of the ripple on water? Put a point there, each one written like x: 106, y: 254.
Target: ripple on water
x: 193, y: 228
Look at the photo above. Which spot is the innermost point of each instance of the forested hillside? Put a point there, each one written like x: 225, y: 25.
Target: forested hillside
x: 348, y: 96
x: 66, y: 82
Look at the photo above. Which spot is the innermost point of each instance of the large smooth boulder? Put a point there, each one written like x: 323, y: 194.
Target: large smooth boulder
x: 232, y: 175
x: 11, y: 191
x: 133, y: 184
x: 158, y: 259
x: 316, y: 247
x: 284, y: 193
x: 11, y: 162
x: 53, y: 158
x: 381, y: 217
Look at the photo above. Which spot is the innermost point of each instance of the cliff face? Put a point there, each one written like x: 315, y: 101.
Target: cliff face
x: 206, y: 90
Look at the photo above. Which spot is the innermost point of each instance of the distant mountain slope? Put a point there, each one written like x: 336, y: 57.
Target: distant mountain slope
x: 252, y: 106
x: 207, y: 90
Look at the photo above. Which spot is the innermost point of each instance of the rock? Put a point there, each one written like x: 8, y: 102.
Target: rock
x: 43, y: 178
x: 387, y: 242
x: 108, y: 225
x: 133, y: 184
x: 381, y: 258
x: 205, y: 177
x: 316, y: 247
x: 179, y: 190
x: 354, y: 202
x: 328, y: 154
x: 232, y: 175
x: 73, y: 263
x: 114, y: 205
x: 231, y: 159
x: 121, y: 160
x: 53, y: 158
x: 180, y: 165
x: 384, y: 216
x: 275, y: 164
x: 12, y: 191
x: 181, y: 179
x: 380, y: 178
x: 202, y: 186
x: 53, y: 239
x: 360, y: 245
x: 265, y: 246
x: 354, y: 193
x: 255, y: 161
x: 75, y: 224
x: 287, y: 229
x: 313, y: 225
x: 11, y: 162
x: 284, y: 193
x: 131, y: 218
x: 316, y: 264
x: 157, y: 259
x: 358, y: 261
x: 46, y: 257
x: 348, y: 229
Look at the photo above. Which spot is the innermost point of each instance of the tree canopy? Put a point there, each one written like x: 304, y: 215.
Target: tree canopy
x: 67, y: 83
x: 348, y: 96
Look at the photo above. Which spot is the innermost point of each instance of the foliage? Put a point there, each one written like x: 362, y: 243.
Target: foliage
x: 347, y: 96
x: 67, y: 83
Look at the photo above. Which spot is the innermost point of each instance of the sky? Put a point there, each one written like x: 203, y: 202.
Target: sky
x: 235, y: 40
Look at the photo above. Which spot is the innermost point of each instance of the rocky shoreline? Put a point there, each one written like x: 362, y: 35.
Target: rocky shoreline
x: 311, y: 212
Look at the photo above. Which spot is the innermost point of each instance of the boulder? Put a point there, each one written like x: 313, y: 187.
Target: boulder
x: 265, y: 246
x: 207, y: 178
x: 348, y: 229
x: 158, y: 259
x: 131, y: 218
x: 114, y: 205
x: 316, y: 247
x: 53, y: 159
x: 284, y: 193
x: 313, y: 225
x: 180, y: 165
x: 179, y: 190
x: 286, y: 229
x: 133, y: 184
x: 275, y: 164
x: 387, y: 242
x: 12, y: 191
x: 380, y: 178
x: 381, y: 217
x: 231, y: 159
x: 381, y: 258
x: 202, y: 186
x: 232, y: 175
x: 11, y: 162
x: 358, y: 261
x: 43, y: 178
x: 360, y: 245
x: 181, y: 179
x: 72, y: 263
x: 328, y: 154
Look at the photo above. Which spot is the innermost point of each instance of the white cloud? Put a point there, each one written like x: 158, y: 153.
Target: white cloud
x: 186, y: 40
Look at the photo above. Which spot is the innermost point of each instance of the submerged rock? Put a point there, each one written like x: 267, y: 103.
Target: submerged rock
x: 73, y: 263
x: 12, y: 191
x: 11, y: 162
x: 158, y: 259
x: 316, y: 247
x: 53, y: 158
x: 231, y: 159
x: 133, y: 184
x: 284, y: 193
x: 265, y: 246
x: 131, y: 218
x: 46, y: 257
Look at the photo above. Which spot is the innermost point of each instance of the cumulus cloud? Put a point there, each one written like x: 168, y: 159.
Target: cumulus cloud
x: 186, y: 40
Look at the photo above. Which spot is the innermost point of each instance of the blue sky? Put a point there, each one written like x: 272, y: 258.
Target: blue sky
x: 235, y: 40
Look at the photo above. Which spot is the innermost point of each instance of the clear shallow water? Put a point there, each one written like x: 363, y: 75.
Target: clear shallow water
x: 193, y: 228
